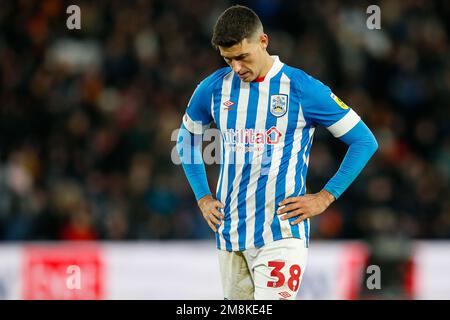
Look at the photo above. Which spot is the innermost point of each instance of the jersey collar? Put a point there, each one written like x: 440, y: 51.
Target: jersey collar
x: 276, y: 67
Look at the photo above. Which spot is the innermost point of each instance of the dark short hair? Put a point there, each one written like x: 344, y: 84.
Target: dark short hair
x: 234, y: 25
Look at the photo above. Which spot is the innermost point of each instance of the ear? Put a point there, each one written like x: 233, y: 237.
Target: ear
x: 264, y: 41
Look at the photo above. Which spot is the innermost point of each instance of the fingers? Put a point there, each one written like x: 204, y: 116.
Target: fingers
x: 292, y: 214
x: 218, y: 214
x: 302, y: 216
x: 219, y: 204
x: 292, y: 207
x: 213, y: 209
x: 214, y: 220
x: 212, y: 215
x: 215, y: 215
x: 289, y: 207
x: 300, y: 219
x: 213, y: 228
x: 288, y: 200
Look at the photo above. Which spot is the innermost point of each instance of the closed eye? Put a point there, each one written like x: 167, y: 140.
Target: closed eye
x: 237, y: 58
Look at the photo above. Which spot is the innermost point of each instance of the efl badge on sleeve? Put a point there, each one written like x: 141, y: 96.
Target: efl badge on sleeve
x: 338, y: 101
x: 278, y: 104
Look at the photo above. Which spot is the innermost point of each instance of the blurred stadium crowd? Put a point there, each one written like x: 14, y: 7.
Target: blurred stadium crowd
x: 86, y: 116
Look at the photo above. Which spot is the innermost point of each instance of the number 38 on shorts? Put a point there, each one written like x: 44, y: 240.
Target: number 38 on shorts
x: 278, y: 272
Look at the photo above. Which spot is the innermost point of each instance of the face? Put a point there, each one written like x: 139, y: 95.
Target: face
x: 247, y: 58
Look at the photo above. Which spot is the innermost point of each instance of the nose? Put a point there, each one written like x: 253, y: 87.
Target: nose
x: 236, y: 65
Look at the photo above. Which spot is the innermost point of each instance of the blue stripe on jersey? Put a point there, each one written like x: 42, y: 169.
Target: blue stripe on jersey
x: 295, y: 229
x: 217, y: 238
x: 300, y: 164
x: 220, y: 182
x: 303, y: 190
x: 306, y: 224
x: 219, y: 190
x: 266, y: 162
x: 242, y: 195
x: 231, y: 124
x: 216, y: 112
x: 304, y: 170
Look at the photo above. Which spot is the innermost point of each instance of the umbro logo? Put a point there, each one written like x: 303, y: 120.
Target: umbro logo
x: 284, y: 294
x: 228, y: 105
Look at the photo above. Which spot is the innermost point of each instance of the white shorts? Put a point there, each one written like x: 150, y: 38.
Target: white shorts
x: 271, y: 272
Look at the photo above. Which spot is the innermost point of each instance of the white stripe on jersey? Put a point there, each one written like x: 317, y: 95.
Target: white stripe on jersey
x: 344, y: 125
x: 271, y: 206
x: 212, y: 108
x: 241, y: 117
x: 311, y: 138
x: 223, y: 178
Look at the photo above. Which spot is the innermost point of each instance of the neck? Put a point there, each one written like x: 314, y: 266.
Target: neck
x: 267, y: 65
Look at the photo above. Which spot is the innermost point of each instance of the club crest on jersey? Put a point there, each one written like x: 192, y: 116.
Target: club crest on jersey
x: 278, y: 104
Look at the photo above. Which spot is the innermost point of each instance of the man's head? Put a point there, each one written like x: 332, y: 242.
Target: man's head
x: 240, y: 39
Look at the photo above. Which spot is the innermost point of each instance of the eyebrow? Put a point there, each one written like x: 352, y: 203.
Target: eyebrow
x: 242, y: 55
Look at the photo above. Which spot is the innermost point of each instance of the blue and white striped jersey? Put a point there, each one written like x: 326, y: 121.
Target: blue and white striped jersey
x: 267, y: 129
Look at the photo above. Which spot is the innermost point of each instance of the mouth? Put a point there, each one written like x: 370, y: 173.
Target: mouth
x: 243, y: 75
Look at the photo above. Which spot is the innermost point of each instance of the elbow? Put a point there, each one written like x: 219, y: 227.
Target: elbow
x: 368, y: 143
x: 373, y: 145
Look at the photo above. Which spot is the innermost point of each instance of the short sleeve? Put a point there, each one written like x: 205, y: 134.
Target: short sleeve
x: 322, y: 107
x: 197, y: 117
